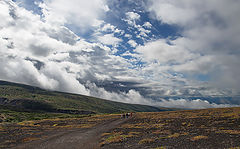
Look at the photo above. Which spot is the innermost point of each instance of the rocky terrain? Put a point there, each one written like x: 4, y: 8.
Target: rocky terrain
x: 209, y: 128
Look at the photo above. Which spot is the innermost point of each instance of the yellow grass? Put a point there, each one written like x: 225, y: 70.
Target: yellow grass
x: 134, y: 133
x: 115, y: 138
x: 29, y: 139
x: 220, y: 112
x: 105, y: 134
x: 162, y: 147
x: 146, y: 141
x: 198, y: 138
x: 230, y: 131
x: 175, y: 135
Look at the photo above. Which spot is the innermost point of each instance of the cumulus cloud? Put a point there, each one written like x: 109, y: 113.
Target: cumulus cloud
x: 109, y: 39
x: 132, y: 43
x: 127, y: 35
x: 130, y: 96
x: 132, y: 16
x: 53, y: 47
x: 83, y: 14
x: 108, y: 28
x: 147, y: 25
x: 208, y: 42
x: 164, y: 52
x: 51, y: 56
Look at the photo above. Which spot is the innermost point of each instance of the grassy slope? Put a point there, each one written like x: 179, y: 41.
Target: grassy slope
x: 67, y: 101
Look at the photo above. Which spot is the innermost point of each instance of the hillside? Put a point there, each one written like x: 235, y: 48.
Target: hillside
x: 25, y: 98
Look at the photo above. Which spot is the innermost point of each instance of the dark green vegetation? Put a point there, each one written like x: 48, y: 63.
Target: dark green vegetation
x: 20, y: 102
x: 8, y: 115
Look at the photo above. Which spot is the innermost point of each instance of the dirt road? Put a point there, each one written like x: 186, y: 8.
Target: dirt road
x: 80, y: 139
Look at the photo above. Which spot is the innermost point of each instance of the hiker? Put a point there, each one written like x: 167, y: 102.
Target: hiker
x: 124, y: 115
x: 131, y: 114
x: 127, y: 115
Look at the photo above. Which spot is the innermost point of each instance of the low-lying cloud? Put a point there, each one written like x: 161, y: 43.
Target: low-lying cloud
x: 190, y: 104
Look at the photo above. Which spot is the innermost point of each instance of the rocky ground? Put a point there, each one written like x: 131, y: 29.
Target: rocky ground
x: 211, y: 128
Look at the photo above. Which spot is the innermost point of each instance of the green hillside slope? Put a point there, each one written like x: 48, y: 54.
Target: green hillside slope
x: 28, y: 98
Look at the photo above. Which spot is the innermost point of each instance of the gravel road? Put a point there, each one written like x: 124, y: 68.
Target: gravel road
x: 77, y: 139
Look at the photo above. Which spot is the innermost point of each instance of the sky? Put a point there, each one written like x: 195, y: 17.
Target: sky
x: 181, y: 54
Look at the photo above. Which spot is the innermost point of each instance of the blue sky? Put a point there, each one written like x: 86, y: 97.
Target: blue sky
x: 129, y: 51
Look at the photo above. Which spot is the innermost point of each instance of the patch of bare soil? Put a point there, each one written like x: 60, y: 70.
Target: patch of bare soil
x: 210, y: 128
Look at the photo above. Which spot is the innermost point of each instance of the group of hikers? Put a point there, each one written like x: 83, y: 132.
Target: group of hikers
x: 126, y: 115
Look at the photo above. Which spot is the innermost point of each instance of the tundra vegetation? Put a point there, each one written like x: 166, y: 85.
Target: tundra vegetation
x: 208, y: 128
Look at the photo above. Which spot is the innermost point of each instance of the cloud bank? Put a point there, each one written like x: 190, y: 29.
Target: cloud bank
x: 47, y: 50
x: 209, y: 42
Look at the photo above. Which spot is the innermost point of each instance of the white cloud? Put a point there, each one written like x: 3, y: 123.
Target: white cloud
x: 48, y: 55
x: 108, y: 27
x: 147, y: 25
x: 127, y: 53
x: 59, y: 56
x: 83, y: 14
x: 210, y: 31
x: 175, y: 12
x: 133, y: 96
x: 128, y: 36
x: 51, y: 56
x: 163, y: 52
x: 142, y: 33
x: 201, y: 65
x: 61, y: 34
x: 132, y: 43
x: 109, y: 39
x: 132, y: 16
x: 4, y: 13
x: 190, y: 104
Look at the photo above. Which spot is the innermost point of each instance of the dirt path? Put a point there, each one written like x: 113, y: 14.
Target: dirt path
x: 81, y: 139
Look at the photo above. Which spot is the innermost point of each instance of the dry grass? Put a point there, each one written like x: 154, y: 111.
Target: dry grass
x: 234, y: 132
x: 115, y: 138
x: 30, y: 139
x: 105, y: 134
x: 198, y: 138
x: 140, y: 125
x: 161, y: 147
x: 157, y: 132
x: 220, y: 112
x: 134, y: 133
x: 162, y: 128
x: 147, y: 141
x: 1, y: 127
x: 175, y: 135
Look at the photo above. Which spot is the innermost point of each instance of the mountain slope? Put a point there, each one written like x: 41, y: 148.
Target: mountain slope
x: 28, y: 98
